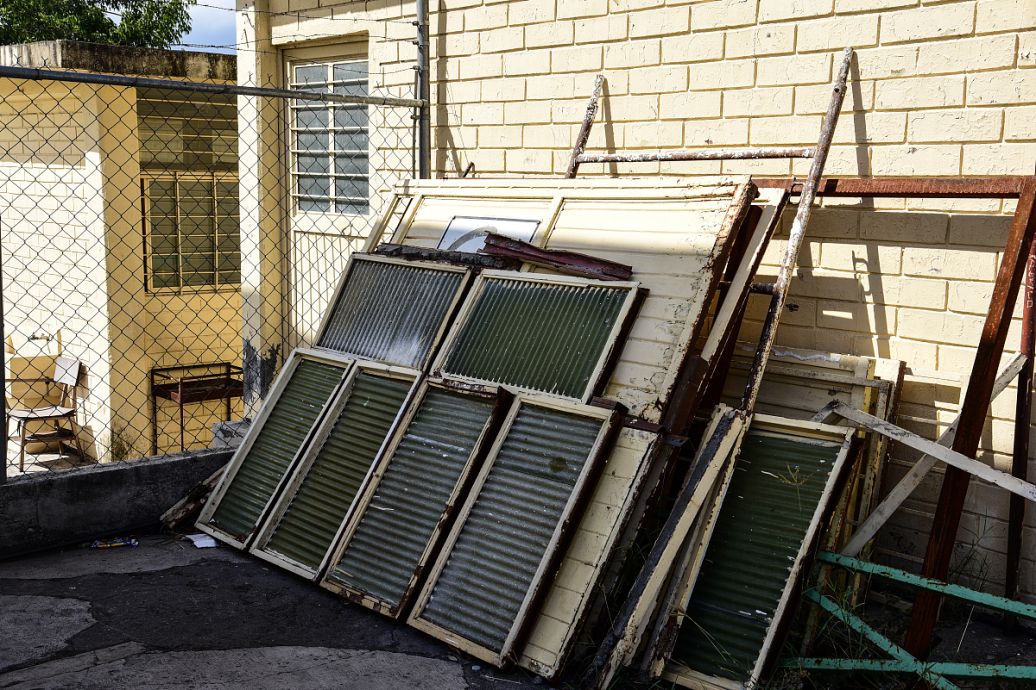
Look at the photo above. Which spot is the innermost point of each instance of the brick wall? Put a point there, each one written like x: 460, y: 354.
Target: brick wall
x: 938, y: 88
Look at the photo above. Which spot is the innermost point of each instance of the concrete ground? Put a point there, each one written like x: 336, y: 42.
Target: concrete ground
x: 169, y: 615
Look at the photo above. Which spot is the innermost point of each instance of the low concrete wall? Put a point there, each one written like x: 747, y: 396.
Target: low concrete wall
x: 44, y: 511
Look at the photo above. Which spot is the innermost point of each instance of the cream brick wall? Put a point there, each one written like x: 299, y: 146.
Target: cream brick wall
x: 938, y: 88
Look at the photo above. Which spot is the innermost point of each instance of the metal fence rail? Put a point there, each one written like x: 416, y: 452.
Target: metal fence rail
x: 171, y: 241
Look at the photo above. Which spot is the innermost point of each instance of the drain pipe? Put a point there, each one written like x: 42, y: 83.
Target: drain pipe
x: 424, y: 94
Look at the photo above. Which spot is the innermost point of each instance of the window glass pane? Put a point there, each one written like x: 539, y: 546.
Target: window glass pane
x: 163, y: 244
x: 351, y: 141
x: 229, y: 261
x: 347, y: 116
x: 312, y: 141
x: 230, y: 243
x: 196, y: 226
x: 165, y: 280
x: 307, y: 204
x: 350, y: 70
x: 165, y: 263
x: 345, y: 186
x: 310, y: 118
x: 351, y: 163
x: 314, y: 186
x: 310, y: 76
x: 229, y: 277
x: 227, y: 190
x: 310, y: 163
x: 198, y: 279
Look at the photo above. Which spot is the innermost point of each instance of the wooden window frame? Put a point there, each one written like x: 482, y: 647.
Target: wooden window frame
x: 502, y: 402
x: 304, y: 462
x: 437, y: 339
x: 611, y: 422
x: 606, y: 360
x: 287, y: 371
x: 779, y: 426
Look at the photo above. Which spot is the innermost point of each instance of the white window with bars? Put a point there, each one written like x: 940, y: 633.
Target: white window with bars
x: 329, y: 142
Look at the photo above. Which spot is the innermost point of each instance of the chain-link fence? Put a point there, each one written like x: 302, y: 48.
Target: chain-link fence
x: 165, y: 245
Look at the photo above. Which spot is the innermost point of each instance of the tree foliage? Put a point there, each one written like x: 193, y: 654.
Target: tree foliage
x: 146, y: 23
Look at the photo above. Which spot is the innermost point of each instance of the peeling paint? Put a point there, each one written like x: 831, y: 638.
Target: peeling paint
x: 259, y: 369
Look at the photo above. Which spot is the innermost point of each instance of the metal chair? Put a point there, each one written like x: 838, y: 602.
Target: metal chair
x: 67, y: 374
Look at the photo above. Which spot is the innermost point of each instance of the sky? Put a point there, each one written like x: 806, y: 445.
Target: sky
x: 211, y: 26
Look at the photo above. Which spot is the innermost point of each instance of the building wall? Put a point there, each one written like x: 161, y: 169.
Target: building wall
x: 937, y: 89
x: 73, y: 266
x: 52, y: 230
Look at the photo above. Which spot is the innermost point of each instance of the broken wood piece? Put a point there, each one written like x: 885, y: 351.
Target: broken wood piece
x: 188, y: 508
x: 563, y: 261
x: 916, y: 474
x: 719, y: 446
x: 962, y: 462
x: 466, y: 259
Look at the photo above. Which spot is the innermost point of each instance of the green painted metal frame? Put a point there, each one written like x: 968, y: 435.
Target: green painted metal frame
x: 932, y: 672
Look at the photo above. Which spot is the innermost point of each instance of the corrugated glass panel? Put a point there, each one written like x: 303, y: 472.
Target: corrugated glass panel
x: 493, y: 563
x: 308, y: 526
x: 776, y: 488
x: 391, y: 312
x: 386, y: 548
x: 539, y: 336
x: 293, y: 415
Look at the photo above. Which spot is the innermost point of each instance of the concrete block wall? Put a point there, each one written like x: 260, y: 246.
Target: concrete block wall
x: 939, y: 88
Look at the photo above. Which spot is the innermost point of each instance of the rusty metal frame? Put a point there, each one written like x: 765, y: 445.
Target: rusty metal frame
x: 685, y: 403
x: 1016, y: 260
x: 994, y: 333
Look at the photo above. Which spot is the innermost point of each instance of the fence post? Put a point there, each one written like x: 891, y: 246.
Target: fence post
x: 424, y: 93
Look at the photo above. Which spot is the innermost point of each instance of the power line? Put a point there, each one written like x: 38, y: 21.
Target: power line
x: 301, y: 15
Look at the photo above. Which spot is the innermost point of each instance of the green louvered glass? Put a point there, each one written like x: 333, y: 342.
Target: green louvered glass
x: 537, y: 335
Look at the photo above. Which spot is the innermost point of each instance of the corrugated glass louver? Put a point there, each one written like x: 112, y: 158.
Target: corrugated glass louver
x: 433, y: 455
x: 307, y: 528
x: 775, y: 491
x: 492, y: 565
x: 537, y: 335
x: 391, y: 312
x: 268, y: 458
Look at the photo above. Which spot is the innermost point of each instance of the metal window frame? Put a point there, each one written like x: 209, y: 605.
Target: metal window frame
x: 605, y: 360
x: 502, y: 404
x: 780, y: 426
x: 437, y: 340
x: 327, y: 62
x: 302, y: 465
x: 276, y: 390
x: 611, y: 422
x: 176, y: 176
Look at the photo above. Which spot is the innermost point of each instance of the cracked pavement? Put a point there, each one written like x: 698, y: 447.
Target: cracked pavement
x: 167, y: 615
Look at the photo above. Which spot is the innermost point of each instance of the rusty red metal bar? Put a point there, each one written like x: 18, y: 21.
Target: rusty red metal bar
x: 1006, y: 187
x: 572, y: 263
x: 1020, y: 457
x: 954, y: 491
